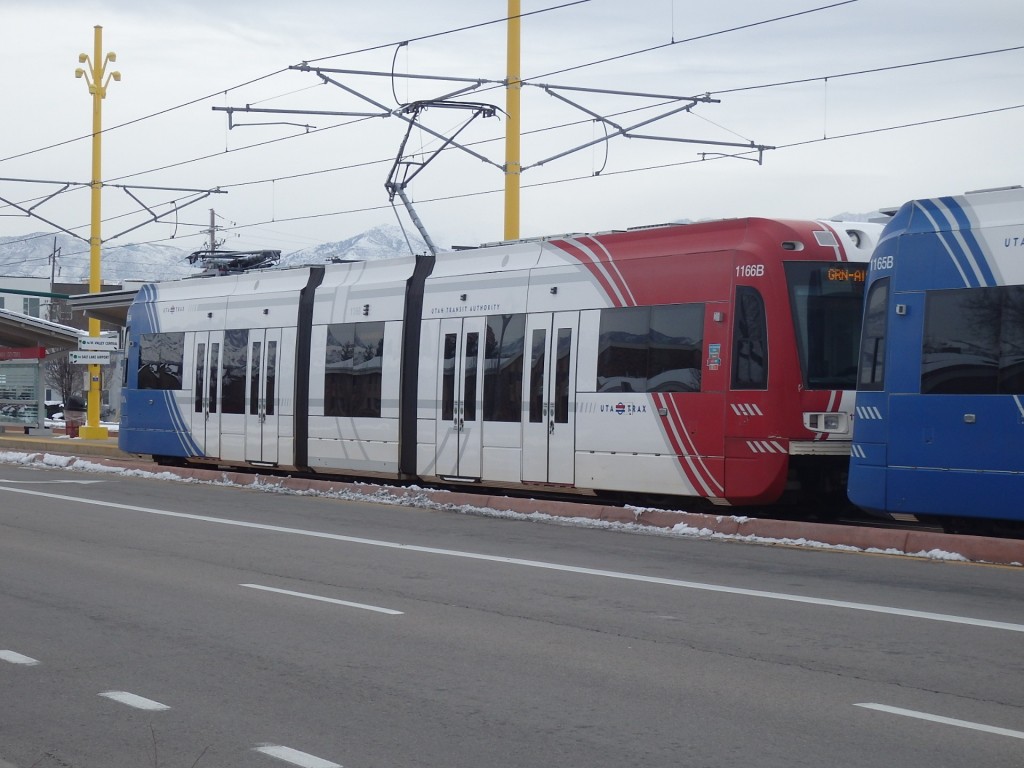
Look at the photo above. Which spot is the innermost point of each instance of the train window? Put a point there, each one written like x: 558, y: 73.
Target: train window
x: 271, y: 376
x: 827, y: 302
x: 674, y: 357
x: 871, y: 376
x: 563, y: 376
x: 1011, y: 342
x: 974, y: 341
x: 200, y: 370
x: 254, y: 378
x: 469, y: 379
x: 503, y: 367
x: 749, y: 341
x: 214, y: 356
x: 233, y: 365
x: 622, y: 349
x: 538, y: 356
x: 161, y: 360
x: 352, y: 369
x: 650, y: 349
x: 451, y: 343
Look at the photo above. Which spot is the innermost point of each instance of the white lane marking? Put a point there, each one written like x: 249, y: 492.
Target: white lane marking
x: 17, y: 658
x: 944, y: 720
x: 540, y: 564
x: 53, y: 482
x: 324, y: 599
x: 131, y: 700
x: 295, y: 757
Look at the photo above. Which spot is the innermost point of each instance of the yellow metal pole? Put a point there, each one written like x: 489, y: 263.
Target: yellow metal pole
x: 513, y: 92
x: 97, y: 81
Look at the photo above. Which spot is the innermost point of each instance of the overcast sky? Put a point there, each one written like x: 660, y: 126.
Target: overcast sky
x: 288, y: 187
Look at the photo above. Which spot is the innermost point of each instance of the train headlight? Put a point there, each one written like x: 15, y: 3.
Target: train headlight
x: 838, y: 423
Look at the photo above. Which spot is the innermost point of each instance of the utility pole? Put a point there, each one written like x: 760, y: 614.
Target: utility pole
x: 97, y: 79
x: 213, y: 232
x: 513, y: 92
x: 53, y: 275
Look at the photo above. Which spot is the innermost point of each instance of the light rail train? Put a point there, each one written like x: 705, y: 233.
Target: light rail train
x: 940, y: 404
x: 715, y: 360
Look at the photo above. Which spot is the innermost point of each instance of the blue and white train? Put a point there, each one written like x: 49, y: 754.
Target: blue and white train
x: 939, y: 425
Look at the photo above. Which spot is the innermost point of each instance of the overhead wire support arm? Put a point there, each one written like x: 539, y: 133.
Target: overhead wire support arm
x: 705, y: 99
x: 30, y: 211
x: 200, y: 194
x: 269, y: 111
x: 66, y: 185
x: 386, y: 111
x: 628, y: 132
x: 476, y: 81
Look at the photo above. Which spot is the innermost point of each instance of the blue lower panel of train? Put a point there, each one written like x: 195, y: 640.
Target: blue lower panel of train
x: 867, y: 487
x: 152, y: 424
x: 953, y: 493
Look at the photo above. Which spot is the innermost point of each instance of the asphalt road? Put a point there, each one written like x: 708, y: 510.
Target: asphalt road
x: 147, y: 623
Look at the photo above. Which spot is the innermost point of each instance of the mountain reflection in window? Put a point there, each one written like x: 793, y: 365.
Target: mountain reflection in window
x: 651, y: 349
x: 503, y: 367
x: 233, y: 366
x: 161, y: 359
x: 352, y: 369
x: 974, y: 341
x: 750, y: 340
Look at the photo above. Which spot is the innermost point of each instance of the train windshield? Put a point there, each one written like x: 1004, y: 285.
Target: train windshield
x: 826, y: 299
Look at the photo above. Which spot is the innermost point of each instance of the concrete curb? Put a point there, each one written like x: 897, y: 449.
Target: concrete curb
x: 973, y: 548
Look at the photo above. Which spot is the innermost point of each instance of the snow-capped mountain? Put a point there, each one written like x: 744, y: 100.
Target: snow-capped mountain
x: 385, y: 241
x: 29, y: 256
x: 876, y: 217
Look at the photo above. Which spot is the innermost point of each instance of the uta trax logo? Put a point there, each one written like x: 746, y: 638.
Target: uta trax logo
x: 621, y: 408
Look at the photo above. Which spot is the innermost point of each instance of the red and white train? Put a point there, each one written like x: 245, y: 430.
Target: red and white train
x: 713, y: 360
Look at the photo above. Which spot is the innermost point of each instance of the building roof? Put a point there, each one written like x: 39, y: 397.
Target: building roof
x: 18, y: 330
x: 108, y: 306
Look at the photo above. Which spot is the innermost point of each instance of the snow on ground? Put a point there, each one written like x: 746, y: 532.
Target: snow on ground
x: 381, y: 495
x: 112, y: 427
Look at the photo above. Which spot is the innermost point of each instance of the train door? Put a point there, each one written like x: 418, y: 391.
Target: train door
x: 206, y: 412
x: 459, y: 444
x: 549, y: 418
x: 261, y: 421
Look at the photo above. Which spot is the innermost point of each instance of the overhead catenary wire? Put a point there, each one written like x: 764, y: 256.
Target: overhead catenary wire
x: 761, y: 86
x: 567, y: 180
x: 382, y: 46
x: 580, y: 66
x: 222, y: 91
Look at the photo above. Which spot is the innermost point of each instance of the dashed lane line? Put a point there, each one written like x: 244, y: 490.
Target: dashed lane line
x: 16, y: 658
x: 363, y: 606
x: 137, y: 702
x: 295, y: 757
x: 944, y: 720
